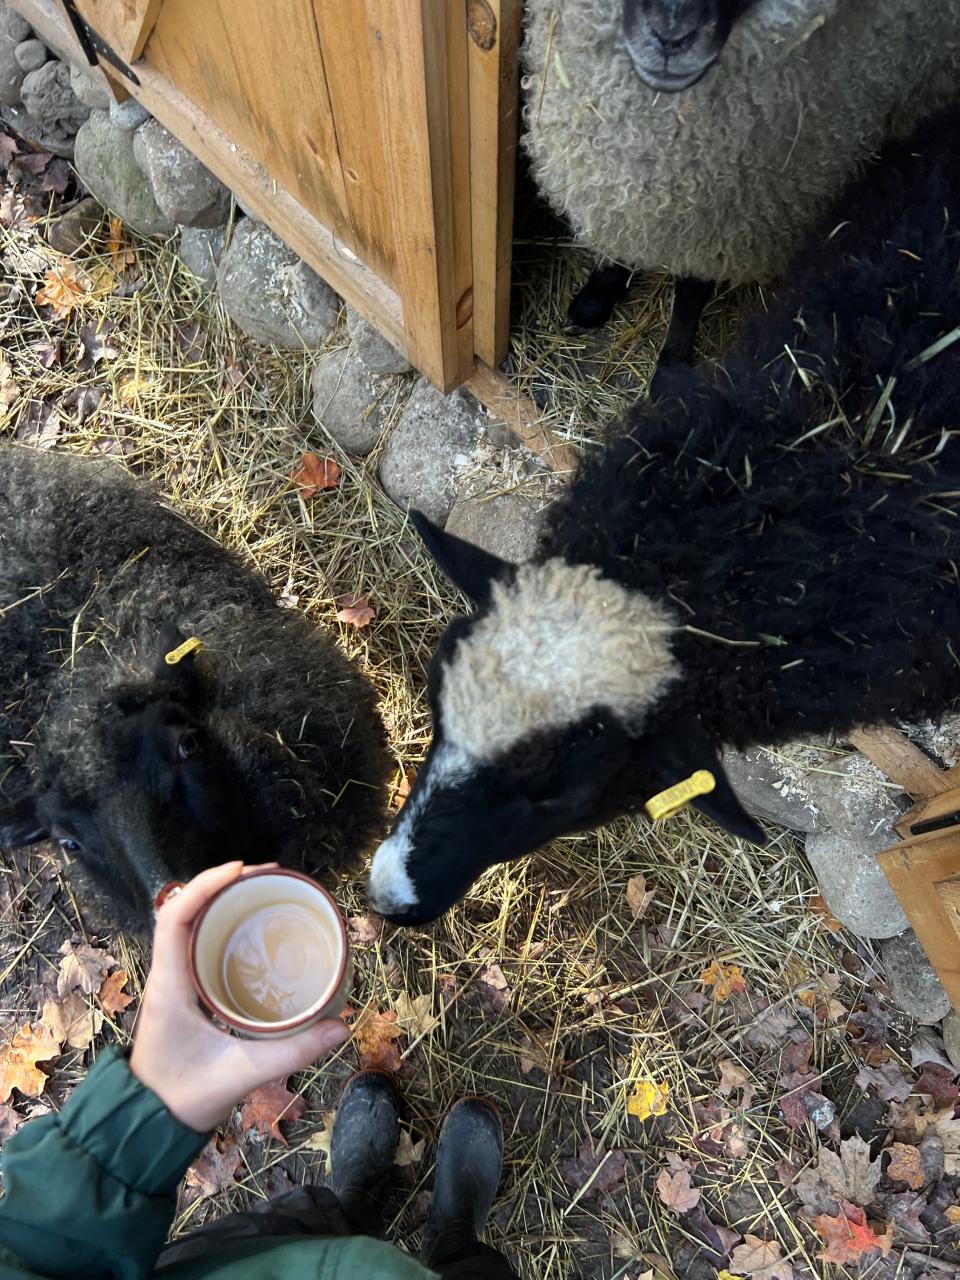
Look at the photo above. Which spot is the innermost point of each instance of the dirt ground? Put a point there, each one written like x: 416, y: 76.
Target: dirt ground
x: 694, y: 1070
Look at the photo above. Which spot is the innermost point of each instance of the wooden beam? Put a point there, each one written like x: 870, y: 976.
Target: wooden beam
x: 902, y: 762
x: 504, y: 400
x: 916, y: 869
x: 948, y: 892
x: 251, y: 183
x: 943, y: 805
x: 124, y: 24
x: 493, y: 28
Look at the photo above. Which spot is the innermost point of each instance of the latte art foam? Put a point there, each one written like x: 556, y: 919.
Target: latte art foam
x: 279, y: 961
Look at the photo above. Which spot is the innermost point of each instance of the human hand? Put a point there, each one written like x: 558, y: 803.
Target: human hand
x: 198, y: 1071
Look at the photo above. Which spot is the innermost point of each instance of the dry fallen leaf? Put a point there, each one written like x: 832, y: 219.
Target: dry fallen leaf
x: 62, y: 290
x: 890, y: 1082
x: 315, y: 475
x: 214, y: 1167
x: 355, y: 611
x: 536, y: 1053
x: 48, y: 353
x: 408, y: 1151
x: 400, y: 787
x: 265, y: 1107
x: 725, y: 979
x: 849, y: 1238
x: 82, y: 968
x: 8, y: 149
x: 818, y: 905
x: 19, y: 1054
x: 852, y: 1175
x: 415, y: 1016
x: 732, y: 1077
x: 364, y: 930
x: 905, y: 1165
x: 9, y: 387
x: 375, y: 1035
x: 639, y: 896
x: 132, y: 387
x: 73, y: 1019
x: 113, y: 999
x: 648, y: 1099
x: 676, y: 1190
x: 761, y: 1260
x: 493, y: 988
x: 10, y: 1120
x: 321, y: 1138
x: 95, y: 344
x: 592, y: 1164
x: 121, y: 255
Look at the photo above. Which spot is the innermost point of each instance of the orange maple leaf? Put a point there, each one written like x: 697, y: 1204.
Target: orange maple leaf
x: 121, y: 255
x: 263, y: 1109
x: 315, y: 475
x: 62, y: 290
x: 905, y: 1165
x: 400, y: 787
x: 19, y: 1057
x: 356, y: 611
x: 817, y: 903
x: 375, y: 1035
x: 113, y: 999
x: 848, y: 1237
x: 726, y: 980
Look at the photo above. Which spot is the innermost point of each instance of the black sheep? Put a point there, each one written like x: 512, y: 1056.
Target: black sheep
x: 771, y: 549
x: 264, y: 745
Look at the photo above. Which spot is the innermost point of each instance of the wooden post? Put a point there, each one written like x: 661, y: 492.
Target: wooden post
x: 923, y: 873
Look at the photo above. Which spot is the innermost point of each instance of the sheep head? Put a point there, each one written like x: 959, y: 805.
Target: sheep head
x: 138, y: 784
x: 557, y: 706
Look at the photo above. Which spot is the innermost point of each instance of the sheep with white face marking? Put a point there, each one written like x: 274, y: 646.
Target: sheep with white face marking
x: 264, y: 745
x: 706, y: 137
x: 770, y: 550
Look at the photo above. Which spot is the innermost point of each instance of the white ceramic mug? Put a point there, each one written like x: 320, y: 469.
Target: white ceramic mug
x: 215, y: 930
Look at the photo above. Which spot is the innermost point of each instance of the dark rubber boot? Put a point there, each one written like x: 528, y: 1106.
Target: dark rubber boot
x: 362, y: 1148
x: 469, y: 1160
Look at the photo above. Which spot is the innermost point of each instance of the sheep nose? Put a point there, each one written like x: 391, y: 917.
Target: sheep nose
x: 670, y: 42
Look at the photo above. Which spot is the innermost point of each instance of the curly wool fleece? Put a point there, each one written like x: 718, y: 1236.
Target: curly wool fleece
x: 723, y: 181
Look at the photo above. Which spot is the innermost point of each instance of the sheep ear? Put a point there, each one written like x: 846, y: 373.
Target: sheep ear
x: 20, y: 823
x: 682, y: 750
x: 470, y: 568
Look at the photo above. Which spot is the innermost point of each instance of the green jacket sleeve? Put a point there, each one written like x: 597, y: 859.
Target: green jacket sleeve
x: 92, y: 1191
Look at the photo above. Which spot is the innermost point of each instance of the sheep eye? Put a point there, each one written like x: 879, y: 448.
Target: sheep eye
x: 68, y: 845
x: 187, y: 746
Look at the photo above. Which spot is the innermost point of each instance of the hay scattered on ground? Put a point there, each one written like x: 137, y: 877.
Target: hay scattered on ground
x: 550, y: 995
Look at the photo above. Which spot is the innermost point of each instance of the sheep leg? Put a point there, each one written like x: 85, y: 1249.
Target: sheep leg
x: 593, y: 305
x: 690, y: 296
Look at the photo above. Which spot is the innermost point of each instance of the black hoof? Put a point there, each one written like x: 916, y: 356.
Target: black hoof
x: 589, y: 311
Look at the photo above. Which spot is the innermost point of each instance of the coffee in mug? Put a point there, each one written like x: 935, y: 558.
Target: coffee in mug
x: 269, y: 953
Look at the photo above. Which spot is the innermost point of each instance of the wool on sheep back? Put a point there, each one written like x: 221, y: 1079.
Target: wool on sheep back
x: 723, y: 180
x: 266, y: 745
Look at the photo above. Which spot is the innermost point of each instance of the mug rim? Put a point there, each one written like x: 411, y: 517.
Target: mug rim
x: 253, y: 1024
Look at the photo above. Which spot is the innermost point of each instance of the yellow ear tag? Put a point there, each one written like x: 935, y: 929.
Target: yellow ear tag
x: 666, y: 803
x: 193, y: 645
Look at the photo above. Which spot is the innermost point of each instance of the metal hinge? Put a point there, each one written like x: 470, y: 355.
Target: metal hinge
x: 92, y: 43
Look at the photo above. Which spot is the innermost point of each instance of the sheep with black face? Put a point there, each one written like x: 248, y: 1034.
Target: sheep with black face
x: 770, y: 550
x: 147, y: 757
x: 706, y: 137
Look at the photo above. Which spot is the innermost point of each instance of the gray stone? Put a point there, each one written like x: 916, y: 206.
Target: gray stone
x: 31, y: 55
x: 951, y: 1037
x: 90, y: 86
x: 262, y: 291
x: 69, y: 233
x: 505, y: 524
x: 345, y: 403
x: 434, y: 432
x: 766, y: 789
x: 201, y: 250
x: 20, y: 119
x: 184, y: 189
x: 913, y: 983
x: 107, y: 166
x: 853, y: 796
x: 128, y: 114
x: 377, y: 354
x: 851, y: 881
x: 47, y: 95
x: 13, y: 31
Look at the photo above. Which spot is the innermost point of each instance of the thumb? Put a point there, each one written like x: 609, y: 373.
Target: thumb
x: 284, y: 1056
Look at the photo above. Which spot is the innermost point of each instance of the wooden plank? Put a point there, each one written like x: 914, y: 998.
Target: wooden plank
x: 254, y: 187
x: 939, y: 806
x: 124, y: 24
x: 915, y: 868
x: 497, y: 393
x: 345, y: 48
x: 419, y: 61
x: 494, y: 28
x: 902, y: 762
x: 948, y: 891
x: 257, y: 70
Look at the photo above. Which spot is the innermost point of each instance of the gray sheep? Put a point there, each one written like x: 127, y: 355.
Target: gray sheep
x: 706, y: 137
x: 265, y: 744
